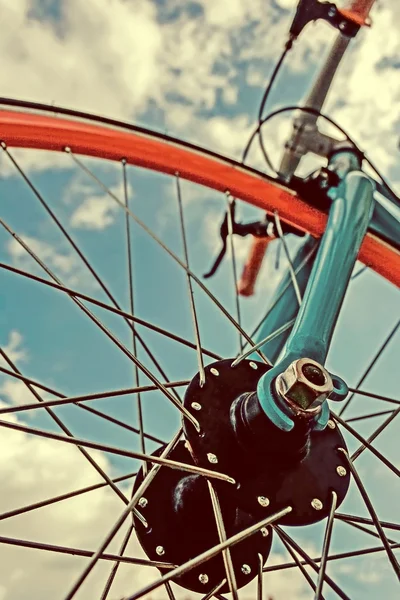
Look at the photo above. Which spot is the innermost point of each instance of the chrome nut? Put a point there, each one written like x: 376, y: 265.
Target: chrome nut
x: 304, y: 385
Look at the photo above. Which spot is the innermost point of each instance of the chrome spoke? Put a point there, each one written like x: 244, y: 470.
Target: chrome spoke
x: 269, y: 337
x: 325, y: 548
x: 371, y: 364
x: 118, y: 451
x: 114, y: 570
x: 260, y: 577
x: 367, y: 444
x: 85, y: 553
x: 204, y: 556
x: 226, y: 553
x: 109, y: 334
x: 308, y: 560
x: 370, y: 416
x: 167, y: 250
x: 290, y: 263
x: 202, y: 373
x: 215, y: 591
x: 358, y: 519
x: 149, y: 477
x: 395, y: 564
x: 297, y: 562
x: 373, y: 436
x: 132, y: 310
x: 70, y: 438
x: 24, y: 509
x: 107, y: 307
x: 231, y: 203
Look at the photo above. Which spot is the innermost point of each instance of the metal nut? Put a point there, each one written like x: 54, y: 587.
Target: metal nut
x: 263, y: 501
x: 203, y: 578
x: 212, y: 458
x: 317, y: 504
x: 196, y: 406
x: 160, y: 550
x: 143, y: 502
x: 341, y: 471
x: 246, y: 570
x: 304, y: 385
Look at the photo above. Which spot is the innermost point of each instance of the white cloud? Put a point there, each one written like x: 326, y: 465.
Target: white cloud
x: 96, y: 210
x: 14, y: 348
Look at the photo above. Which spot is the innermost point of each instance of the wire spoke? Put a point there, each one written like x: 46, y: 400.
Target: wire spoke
x: 370, y: 416
x: 367, y: 444
x: 260, y: 577
x: 371, y: 365
x: 62, y: 400
x: 204, y: 556
x: 132, y: 309
x: 340, y: 556
x: 202, y: 374
x: 366, y: 530
x: 167, y: 250
x: 107, y: 307
x: 64, y: 428
x: 297, y: 562
x: 226, y: 553
x: 109, y: 334
x: 302, y: 264
x: 86, y: 262
x: 287, y: 253
x: 374, y: 516
x: 149, y: 477
x: 114, y: 570
x: 215, y: 590
x: 85, y: 553
x: 36, y: 505
x: 325, y: 548
x: 118, y: 451
x: 269, y: 337
x: 373, y: 436
x: 373, y: 395
x: 310, y: 561
x: 231, y: 204
x: 358, y: 519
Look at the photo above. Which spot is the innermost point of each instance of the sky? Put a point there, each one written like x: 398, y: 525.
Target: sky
x: 195, y: 70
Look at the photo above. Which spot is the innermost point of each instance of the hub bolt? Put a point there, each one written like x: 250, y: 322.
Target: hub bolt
x: 214, y: 372
x: 212, y: 458
x: 160, y: 550
x: 246, y: 570
x: 341, y: 471
x: 263, y: 501
x: 203, y: 578
x: 196, y: 406
x: 317, y: 504
x: 143, y: 502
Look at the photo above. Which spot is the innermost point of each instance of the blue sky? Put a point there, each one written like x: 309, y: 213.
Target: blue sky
x: 195, y: 70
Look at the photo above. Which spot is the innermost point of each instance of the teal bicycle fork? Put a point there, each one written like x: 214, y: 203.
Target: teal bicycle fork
x: 349, y: 216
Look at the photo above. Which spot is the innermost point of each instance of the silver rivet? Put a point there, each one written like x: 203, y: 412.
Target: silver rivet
x: 212, y: 458
x: 263, y: 501
x: 196, y: 406
x: 332, y: 12
x: 331, y: 424
x: 67, y: 149
x: 264, y: 532
x: 203, y: 578
x: 143, y: 502
x: 342, y: 25
x: 341, y: 471
x: 254, y: 365
x: 317, y: 504
x: 160, y: 550
x: 246, y: 570
x: 214, y: 372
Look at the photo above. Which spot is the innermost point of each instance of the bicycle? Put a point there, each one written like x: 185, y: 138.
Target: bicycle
x: 208, y: 519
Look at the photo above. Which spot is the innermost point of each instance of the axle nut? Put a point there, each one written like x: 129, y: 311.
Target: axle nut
x: 304, y: 385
